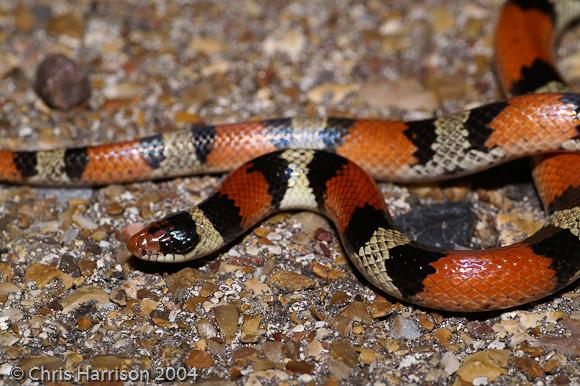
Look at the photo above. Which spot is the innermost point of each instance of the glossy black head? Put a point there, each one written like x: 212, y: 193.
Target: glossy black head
x: 173, y: 235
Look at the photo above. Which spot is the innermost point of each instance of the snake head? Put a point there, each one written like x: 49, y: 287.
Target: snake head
x: 167, y: 240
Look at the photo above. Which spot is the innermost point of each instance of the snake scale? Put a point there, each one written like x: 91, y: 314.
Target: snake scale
x: 328, y: 164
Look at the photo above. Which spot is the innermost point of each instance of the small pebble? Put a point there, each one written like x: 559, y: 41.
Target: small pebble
x: 227, y: 320
x: 61, y: 83
x: 404, y: 328
x: 291, y: 281
x: 84, y: 323
x: 199, y: 359
x: 450, y: 363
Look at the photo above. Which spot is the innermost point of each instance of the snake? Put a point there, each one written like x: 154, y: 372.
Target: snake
x: 329, y: 165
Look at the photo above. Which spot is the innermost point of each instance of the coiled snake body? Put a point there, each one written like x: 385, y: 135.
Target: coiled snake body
x: 309, y: 163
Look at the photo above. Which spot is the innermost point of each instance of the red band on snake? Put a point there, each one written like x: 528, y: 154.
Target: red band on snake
x: 321, y: 164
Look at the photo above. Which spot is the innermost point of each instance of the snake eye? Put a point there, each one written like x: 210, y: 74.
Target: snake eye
x: 176, y: 234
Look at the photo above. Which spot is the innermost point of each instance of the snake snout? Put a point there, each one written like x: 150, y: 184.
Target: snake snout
x: 166, y: 239
x: 143, y: 244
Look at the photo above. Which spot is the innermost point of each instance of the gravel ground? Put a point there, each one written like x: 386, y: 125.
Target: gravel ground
x: 282, y: 305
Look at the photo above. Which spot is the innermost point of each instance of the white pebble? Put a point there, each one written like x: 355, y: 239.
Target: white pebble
x: 275, y: 249
x: 252, y: 250
x: 298, y: 328
x: 450, y: 363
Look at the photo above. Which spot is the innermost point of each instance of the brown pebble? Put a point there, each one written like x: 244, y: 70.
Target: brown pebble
x: 269, y: 266
x: 263, y: 364
x: 43, y: 274
x: 299, y: 336
x: 244, y: 356
x: 84, y: 323
x: 44, y: 361
x: 426, y: 322
x: 4, y: 297
x: 161, y: 322
x: 55, y: 305
x: 191, y: 303
x: 250, y: 333
x: 264, y: 241
x: 479, y: 330
x: 561, y: 380
x: 291, y: 349
x: 110, y: 362
x: 24, y: 18
x: 99, y: 235
x: 66, y: 24
x: 554, y: 363
x: 262, y: 232
x: 330, y: 381
x: 179, y: 282
x: 118, y: 296
x: 161, y: 315
x: 535, y: 331
x: 91, y: 246
x: 83, y: 295
x: 13, y: 352
x: 61, y: 83
x: 300, y: 367
x: 165, y: 352
x: 326, y: 272
x: 68, y: 265
x: 207, y: 289
x: 185, y: 117
x: 322, y: 234
x: 530, y: 366
x: 313, y: 349
x: 148, y: 306
x: 490, y: 364
x: 342, y: 325
x: 87, y: 267
x: 358, y: 312
x: 235, y: 372
x: 343, y: 351
x: 325, y: 250
x: 199, y: 359
x: 114, y: 208
x: 272, y: 351
x: 24, y: 221
x: 380, y: 307
x: 216, y: 346
x: 438, y: 318
x: 367, y: 356
x: 339, y: 297
x: 444, y: 336
x: 291, y: 281
x: 6, y: 271
x: 532, y: 351
x: 572, y: 325
x: 227, y: 320
x: 144, y: 293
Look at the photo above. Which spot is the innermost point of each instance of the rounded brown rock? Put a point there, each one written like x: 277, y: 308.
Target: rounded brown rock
x: 61, y: 82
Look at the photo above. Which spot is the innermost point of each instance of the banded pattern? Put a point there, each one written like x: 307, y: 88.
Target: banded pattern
x: 330, y: 184
x: 426, y: 150
x: 307, y: 163
x: 434, y: 149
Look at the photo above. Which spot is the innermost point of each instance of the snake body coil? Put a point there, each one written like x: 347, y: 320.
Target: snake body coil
x: 308, y: 163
